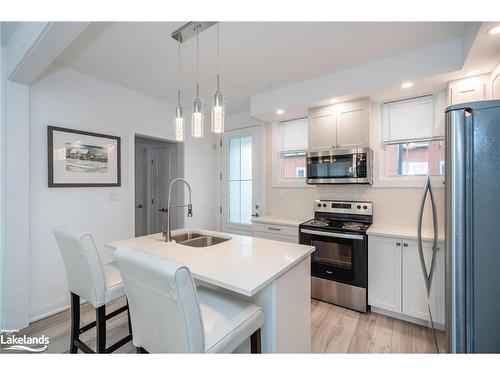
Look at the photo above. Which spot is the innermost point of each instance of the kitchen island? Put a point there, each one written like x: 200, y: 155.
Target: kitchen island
x: 271, y: 274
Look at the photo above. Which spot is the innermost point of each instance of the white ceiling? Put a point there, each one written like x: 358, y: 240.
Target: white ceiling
x: 254, y: 56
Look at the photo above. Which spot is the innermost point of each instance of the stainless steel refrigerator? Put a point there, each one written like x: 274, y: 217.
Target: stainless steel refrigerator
x: 472, y: 173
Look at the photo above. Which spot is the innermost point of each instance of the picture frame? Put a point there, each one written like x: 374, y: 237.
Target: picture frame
x: 78, y: 158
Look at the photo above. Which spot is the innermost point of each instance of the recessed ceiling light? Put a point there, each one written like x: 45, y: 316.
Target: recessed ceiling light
x: 494, y: 31
x: 472, y: 73
x: 407, y: 85
x: 334, y: 100
x: 280, y: 111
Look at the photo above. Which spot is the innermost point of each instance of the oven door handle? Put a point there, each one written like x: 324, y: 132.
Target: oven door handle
x: 336, y: 235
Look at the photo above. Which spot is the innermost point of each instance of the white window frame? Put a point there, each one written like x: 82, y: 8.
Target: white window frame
x: 277, y: 179
x: 380, y: 179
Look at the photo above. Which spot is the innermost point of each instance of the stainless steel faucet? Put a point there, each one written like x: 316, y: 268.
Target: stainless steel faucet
x: 167, y: 232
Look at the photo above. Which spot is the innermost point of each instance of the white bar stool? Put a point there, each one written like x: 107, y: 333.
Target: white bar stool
x: 97, y: 283
x: 170, y: 315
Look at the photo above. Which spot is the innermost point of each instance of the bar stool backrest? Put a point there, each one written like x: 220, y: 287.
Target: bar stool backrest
x: 163, y: 302
x: 83, y: 265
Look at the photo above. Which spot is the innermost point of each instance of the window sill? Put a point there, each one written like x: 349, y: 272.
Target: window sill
x: 408, y: 182
x: 291, y: 184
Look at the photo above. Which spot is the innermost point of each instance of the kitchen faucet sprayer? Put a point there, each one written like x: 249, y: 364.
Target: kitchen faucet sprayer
x: 167, y: 232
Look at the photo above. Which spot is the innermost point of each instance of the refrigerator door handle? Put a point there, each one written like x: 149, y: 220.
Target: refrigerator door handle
x: 428, y: 274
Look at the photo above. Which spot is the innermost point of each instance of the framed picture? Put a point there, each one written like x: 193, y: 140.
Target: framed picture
x: 81, y: 159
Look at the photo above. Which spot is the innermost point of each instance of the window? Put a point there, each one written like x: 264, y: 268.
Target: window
x: 290, y: 148
x: 414, y: 158
x: 408, y: 134
x: 240, y: 180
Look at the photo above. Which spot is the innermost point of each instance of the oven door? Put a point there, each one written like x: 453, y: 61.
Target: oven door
x: 338, y: 256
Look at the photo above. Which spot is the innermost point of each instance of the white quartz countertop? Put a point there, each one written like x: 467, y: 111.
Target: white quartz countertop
x: 269, y: 219
x: 401, y: 232
x: 243, y: 264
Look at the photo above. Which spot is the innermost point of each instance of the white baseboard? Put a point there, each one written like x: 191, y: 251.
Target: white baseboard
x: 407, y: 318
x: 46, y: 309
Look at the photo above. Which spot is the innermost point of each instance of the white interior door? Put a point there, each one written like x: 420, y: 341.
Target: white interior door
x: 164, y: 170
x: 240, y: 179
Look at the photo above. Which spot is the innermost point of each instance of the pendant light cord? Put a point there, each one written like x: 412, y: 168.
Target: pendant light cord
x: 197, y: 62
x: 218, y: 83
x: 179, y: 70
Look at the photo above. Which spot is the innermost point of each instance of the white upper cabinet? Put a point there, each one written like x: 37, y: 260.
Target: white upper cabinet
x: 344, y: 125
x: 353, y: 124
x: 468, y: 89
x: 322, y: 132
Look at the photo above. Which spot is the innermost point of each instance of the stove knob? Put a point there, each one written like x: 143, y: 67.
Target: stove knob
x: 365, y: 207
x: 359, y: 207
x: 324, y: 204
x: 319, y: 204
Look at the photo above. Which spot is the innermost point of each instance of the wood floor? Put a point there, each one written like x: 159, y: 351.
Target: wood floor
x: 338, y: 330
x: 333, y: 330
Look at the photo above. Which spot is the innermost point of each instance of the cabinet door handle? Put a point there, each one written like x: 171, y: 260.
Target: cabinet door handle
x: 398, y: 243
x: 405, y: 245
x: 276, y: 229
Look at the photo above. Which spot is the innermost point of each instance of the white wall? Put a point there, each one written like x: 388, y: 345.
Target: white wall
x: 2, y: 158
x: 70, y: 99
x: 16, y: 226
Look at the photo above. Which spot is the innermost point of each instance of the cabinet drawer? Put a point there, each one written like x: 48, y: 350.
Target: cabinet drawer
x: 276, y: 229
x: 276, y: 237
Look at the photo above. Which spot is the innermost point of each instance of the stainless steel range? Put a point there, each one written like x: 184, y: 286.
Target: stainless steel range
x: 339, y: 265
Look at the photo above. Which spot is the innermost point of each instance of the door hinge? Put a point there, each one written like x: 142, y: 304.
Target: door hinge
x: 220, y: 143
x: 152, y: 162
x: 152, y: 201
x: 220, y: 209
x: 220, y: 175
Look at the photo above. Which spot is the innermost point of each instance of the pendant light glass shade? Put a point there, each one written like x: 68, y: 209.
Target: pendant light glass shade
x: 179, y: 123
x: 197, y: 128
x: 218, y: 112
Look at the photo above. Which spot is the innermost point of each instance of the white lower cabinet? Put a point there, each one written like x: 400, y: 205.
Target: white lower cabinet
x: 384, y: 273
x: 276, y: 232
x: 396, y: 282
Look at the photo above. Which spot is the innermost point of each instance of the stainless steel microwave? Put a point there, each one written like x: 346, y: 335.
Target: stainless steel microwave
x: 353, y: 166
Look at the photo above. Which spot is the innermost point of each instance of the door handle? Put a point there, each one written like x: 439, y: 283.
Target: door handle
x: 336, y: 235
x: 255, y: 214
x: 163, y: 209
x: 427, y: 273
x: 140, y: 206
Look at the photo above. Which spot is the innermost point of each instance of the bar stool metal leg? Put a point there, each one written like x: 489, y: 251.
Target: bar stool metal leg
x: 75, y: 322
x: 100, y: 313
x: 129, y: 322
x: 255, y: 343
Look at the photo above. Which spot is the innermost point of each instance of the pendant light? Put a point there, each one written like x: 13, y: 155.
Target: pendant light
x: 197, y: 118
x: 217, y: 125
x: 179, y: 111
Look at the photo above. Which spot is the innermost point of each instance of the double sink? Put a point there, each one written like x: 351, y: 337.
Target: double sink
x: 197, y: 239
